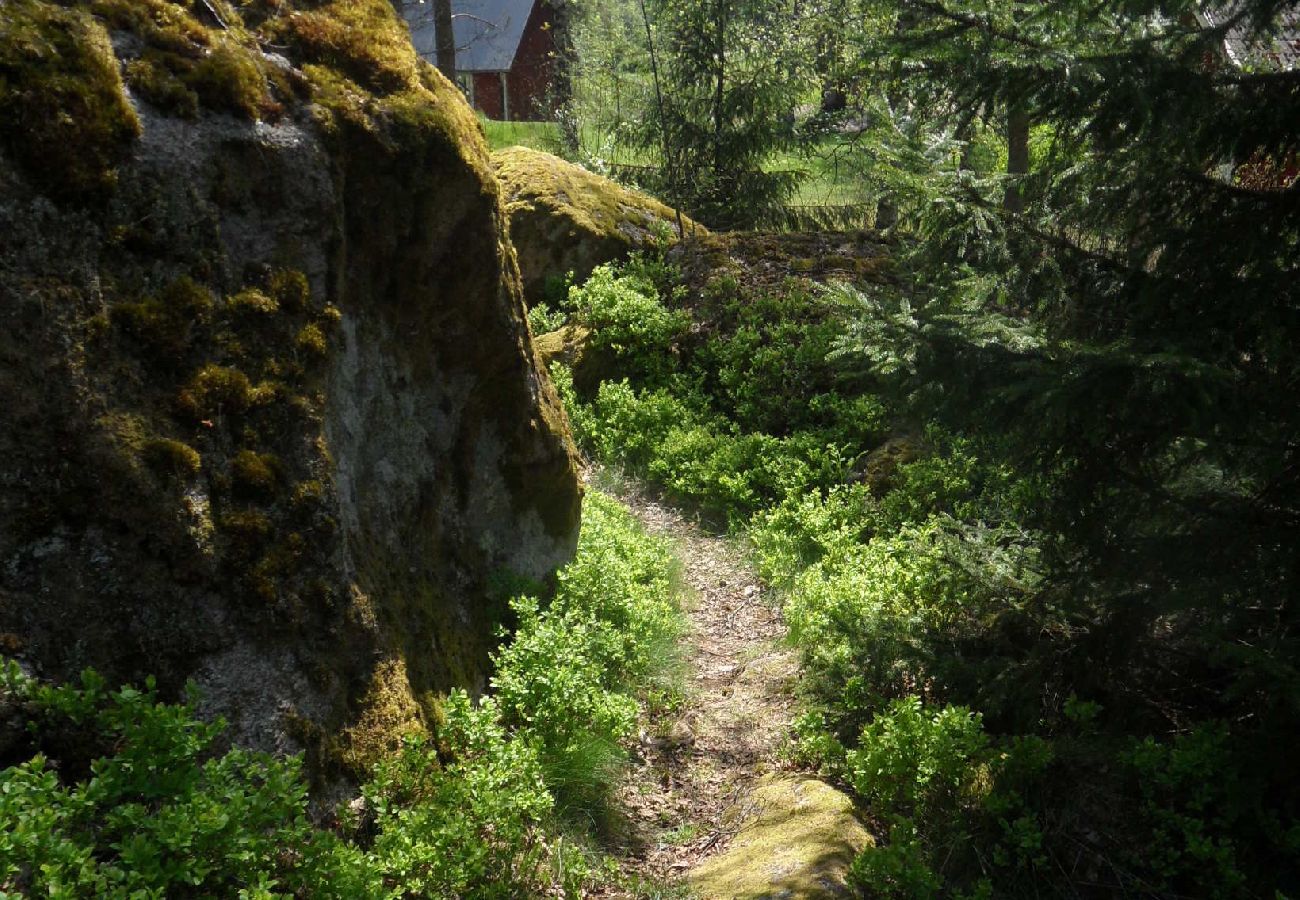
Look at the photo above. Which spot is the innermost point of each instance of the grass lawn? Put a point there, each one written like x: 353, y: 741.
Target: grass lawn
x: 538, y: 135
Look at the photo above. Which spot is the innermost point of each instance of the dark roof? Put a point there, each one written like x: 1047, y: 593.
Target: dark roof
x: 1279, y: 51
x: 487, y: 31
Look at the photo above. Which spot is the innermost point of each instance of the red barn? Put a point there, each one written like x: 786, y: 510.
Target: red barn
x: 505, y: 53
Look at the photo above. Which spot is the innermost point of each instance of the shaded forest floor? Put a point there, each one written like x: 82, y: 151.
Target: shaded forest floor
x: 694, y: 767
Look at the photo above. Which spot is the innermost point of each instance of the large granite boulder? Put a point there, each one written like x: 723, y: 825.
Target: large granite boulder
x: 565, y: 219
x: 270, y: 416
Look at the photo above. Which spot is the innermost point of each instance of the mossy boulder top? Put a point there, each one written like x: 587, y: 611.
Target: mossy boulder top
x: 270, y: 415
x: 797, y: 845
x: 564, y: 218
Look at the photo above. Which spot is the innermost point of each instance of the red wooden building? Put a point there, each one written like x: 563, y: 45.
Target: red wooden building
x: 505, y: 53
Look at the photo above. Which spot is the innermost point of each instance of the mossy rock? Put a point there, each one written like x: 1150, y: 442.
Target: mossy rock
x: 765, y: 261
x: 881, y: 465
x: 268, y: 398
x: 567, y: 345
x: 797, y: 846
x: 565, y: 219
x: 66, y: 116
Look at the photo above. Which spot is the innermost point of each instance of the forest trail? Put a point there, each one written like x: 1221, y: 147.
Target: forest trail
x: 694, y: 773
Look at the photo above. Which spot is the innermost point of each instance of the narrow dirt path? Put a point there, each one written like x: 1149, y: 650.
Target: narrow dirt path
x: 692, y: 772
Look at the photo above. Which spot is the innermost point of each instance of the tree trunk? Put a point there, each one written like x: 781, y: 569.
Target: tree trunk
x: 564, y: 72
x: 718, y: 93
x: 1017, y: 157
x: 446, y: 38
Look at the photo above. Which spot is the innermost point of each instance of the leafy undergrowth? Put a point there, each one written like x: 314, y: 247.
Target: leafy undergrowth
x: 951, y: 683
x: 121, y: 795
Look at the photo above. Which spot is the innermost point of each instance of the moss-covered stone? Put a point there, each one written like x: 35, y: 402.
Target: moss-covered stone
x: 255, y: 475
x: 280, y: 493
x: 798, y: 845
x: 390, y: 713
x: 289, y: 288
x: 252, y: 302
x: 565, y: 219
x: 567, y: 345
x: 360, y: 39
x: 67, y: 120
x: 761, y: 261
x: 172, y: 457
x: 311, y: 340
x: 216, y: 390
x: 231, y: 79
x: 881, y: 465
x: 165, y: 322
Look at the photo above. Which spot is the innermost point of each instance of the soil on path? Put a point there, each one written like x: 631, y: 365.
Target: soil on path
x: 692, y: 772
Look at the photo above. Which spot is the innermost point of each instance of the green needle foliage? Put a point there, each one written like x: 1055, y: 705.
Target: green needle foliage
x: 1125, y: 345
x: 732, y: 73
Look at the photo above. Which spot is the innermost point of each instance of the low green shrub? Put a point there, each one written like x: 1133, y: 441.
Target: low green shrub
x: 1193, y: 809
x: 917, y: 762
x: 471, y: 826
x: 542, y: 319
x: 571, y: 676
x: 804, y: 528
x: 142, y: 807
x: 953, y: 802
x: 866, y: 619
x: 140, y: 803
x: 631, y: 329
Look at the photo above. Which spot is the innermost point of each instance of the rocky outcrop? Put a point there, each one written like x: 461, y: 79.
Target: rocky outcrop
x: 565, y: 219
x: 270, y: 416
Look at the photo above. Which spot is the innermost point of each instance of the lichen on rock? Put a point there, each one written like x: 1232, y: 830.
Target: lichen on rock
x: 565, y: 219
x: 269, y: 409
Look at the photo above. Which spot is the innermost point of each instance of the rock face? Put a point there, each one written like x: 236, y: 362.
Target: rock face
x: 798, y: 845
x: 566, y: 219
x: 270, y: 416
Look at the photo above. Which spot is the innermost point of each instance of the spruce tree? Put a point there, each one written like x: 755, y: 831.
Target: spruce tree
x: 1124, y: 336
x: 733, y: 72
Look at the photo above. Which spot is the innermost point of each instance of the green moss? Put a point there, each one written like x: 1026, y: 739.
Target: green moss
x: 185, y: 64
x: 166, y: 322
x: 255, y: 475
x: 388, y: 713
x: 232, y: 80
x: 363, y: 39
x: 597, y: 204
x: 339, y: 101
x: 252, y: 302
x: 799, y: 845
x: 311, y: 340
x: 308, y: 494
x: 245, y: 532
x: 67, y: 119
x: 162, y: 24
x: 271, y: 578
x: 156, y: 81
x: 420, y: 120
x: 171, y: 457
x: 216, y: 390
x: 289, y: 288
